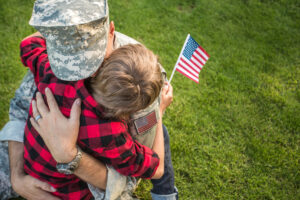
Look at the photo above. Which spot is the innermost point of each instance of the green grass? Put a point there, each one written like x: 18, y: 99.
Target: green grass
x: 236, y: 134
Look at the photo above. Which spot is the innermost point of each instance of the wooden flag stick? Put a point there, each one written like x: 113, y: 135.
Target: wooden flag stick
x: 179, y: 58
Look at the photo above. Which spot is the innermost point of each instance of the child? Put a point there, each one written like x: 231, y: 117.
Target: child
x: 106, y: 139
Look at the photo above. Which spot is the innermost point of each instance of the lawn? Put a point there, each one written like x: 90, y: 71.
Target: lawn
x: 235, y: 135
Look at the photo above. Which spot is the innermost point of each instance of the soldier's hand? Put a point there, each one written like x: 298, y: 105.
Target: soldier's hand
x: 58, y: 132
x: 166, y: 97
x: 32, y: 188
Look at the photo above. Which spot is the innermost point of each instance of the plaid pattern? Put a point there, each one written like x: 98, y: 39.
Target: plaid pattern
x: 106, y: 140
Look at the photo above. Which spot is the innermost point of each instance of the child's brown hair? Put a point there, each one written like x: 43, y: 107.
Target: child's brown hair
x: 129, y: 80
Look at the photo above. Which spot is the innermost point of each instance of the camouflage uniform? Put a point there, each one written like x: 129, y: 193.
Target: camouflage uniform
x: 6, y: 190
x: 75, y: 32
x: 14, y: 131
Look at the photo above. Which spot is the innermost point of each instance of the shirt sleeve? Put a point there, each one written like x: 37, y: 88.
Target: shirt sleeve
x: 118, y: 149
x: 18, y: 111
x: 34, y: 56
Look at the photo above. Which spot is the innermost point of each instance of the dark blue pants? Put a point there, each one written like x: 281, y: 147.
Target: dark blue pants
x: 165, y: 185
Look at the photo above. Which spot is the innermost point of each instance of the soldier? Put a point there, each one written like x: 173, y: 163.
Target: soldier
x: 13, y: 131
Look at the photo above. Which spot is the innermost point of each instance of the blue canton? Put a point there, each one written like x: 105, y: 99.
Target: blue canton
x: 190, y: 47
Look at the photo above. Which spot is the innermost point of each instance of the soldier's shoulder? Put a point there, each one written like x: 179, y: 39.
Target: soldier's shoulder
x: 122, y: 39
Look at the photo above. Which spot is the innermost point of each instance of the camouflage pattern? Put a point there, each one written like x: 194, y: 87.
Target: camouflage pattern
x: 67, y: 12
x: 6, y: 190
x: 18, y: 111
x: 76, y: 33
x: 14, y: 130
x: 121, y: 40
x: 119, y: 187
x: 19, y: 107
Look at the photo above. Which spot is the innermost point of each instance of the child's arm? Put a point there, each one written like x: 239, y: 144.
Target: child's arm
x: 126, y: 155
x: 113, y: 144
x: 60, y: 135
x: 36, y: 34
x: 121, y: 151
x: 34, y: 55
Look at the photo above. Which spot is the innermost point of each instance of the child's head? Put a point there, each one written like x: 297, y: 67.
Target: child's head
x: 129, y: 80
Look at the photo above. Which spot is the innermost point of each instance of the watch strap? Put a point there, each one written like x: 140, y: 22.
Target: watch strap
x: 69, y: 168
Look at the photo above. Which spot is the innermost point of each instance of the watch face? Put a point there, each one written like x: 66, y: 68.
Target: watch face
x: 64, y: 169
x: 68, y: 168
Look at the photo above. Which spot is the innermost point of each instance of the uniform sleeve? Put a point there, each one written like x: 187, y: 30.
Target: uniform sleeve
x: 18, y: 111
x: 122, y: 152
x: 34, y: 56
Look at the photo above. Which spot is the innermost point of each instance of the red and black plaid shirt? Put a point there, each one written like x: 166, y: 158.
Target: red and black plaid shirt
x: 106, y: 140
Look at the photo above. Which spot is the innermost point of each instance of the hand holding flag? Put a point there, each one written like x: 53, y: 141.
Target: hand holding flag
x: 191, y: 60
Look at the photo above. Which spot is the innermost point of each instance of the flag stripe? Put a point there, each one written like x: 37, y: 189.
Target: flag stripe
x: 195, y: 62
x: 204, y: 52
x: 187, y: 75
x: 188, y: 69
x: 202, y: 55
x: 198, y: 60
x: 197, y: 66
x: 190, y: 65
x: 195, y: 55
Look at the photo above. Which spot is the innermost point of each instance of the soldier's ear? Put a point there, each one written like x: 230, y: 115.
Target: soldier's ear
x: 111, y: 38
x: 111, y: 29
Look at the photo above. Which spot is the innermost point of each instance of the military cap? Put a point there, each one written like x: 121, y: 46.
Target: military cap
x: 76, y: 33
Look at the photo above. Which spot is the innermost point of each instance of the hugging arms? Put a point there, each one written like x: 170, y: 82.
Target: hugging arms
x: 19, y: 179
x: 62, y: 146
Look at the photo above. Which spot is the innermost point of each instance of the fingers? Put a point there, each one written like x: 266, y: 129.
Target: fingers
x: 35, y: 114
x: 75, y: 111
x: 44, y: 186
x: 48, y: 196
x: 34, y: 109
x: 168, y: 89
x: 32, y: 188
x: 35, y: 124
x: 51, y: 100
x: 41, y: 106
x: 41, y: 195
x: 165, y: 87
x: 166, y: 97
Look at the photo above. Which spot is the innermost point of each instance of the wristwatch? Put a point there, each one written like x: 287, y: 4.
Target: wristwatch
x: 69, y: 168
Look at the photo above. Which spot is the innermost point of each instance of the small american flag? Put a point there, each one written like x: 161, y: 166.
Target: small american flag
x: 191, y: 59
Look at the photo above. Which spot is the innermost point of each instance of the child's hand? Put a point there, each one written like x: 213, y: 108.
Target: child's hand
x: 166, y: 97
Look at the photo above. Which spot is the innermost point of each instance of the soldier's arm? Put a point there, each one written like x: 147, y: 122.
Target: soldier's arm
x: 25, y: 185
x: 60, y: 135
x: 18, y: 111
x: 13, y: 132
